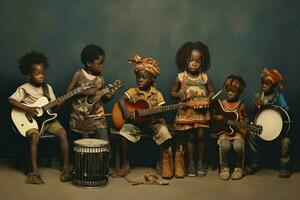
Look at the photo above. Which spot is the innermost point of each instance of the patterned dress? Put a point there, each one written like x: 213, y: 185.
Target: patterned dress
x: 81, y: 109
x: 188, y: 118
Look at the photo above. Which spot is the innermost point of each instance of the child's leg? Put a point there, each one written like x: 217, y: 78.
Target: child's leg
x: 34, y: 177
x: 64, y: 146
x: 33, y: 142
x: 238, y: 147
x: 201, y: 151
x: 284, y: 158
x: 125, y: 168
x: 224, y: 148
x: 56, y: 128
x: 190, y: 150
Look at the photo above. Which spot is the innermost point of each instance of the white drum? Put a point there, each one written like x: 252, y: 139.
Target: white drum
x: 274, y: 121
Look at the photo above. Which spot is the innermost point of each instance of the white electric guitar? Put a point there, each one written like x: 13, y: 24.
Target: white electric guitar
x: 24, y: 121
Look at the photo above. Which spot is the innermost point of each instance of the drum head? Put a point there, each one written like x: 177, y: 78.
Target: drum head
x: 91, y: 142
x: 271, y: 122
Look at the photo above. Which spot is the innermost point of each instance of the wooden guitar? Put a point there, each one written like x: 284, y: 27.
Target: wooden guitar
x: 230, y: 123
x: 141, y: 109
x: 24, y: 121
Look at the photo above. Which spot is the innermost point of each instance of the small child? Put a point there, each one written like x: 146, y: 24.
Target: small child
x: 234, y: 86
x: 33, y: 66
x: 88, y: 102
x: 271, y: 85
x: 146, y: 71
x: 193, y: 61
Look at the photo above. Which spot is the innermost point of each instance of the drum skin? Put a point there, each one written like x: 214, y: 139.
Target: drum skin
x: 274, y: 120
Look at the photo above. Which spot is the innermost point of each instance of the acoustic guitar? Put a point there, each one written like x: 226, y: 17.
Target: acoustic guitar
x: 141, y: 109
x: 230, y: 124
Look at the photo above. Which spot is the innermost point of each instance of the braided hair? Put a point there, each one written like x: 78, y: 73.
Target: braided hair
x: 184, y: 55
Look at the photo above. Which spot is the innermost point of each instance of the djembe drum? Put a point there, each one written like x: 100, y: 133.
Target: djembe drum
x: 91, y: 163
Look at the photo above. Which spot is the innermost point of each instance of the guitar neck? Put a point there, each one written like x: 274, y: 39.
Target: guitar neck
x: 62, y: 98
x: 159, y: 109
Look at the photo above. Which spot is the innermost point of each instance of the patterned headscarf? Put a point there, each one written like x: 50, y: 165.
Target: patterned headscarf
x: 147, y: 64
x: 274, y: 76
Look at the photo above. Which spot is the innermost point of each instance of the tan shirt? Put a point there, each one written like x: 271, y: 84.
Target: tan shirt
x: 28, y: 93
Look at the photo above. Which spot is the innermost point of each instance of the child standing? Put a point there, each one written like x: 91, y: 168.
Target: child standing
x: 146, y: 71
x: 33, y: 66
x: 89, y: 102
x: 234, y: 86
x: 271, y: 85
x: 192, y: 60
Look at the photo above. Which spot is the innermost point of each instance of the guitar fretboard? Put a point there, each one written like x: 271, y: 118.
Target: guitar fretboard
x: 62, y: 98
x: 159, y: 109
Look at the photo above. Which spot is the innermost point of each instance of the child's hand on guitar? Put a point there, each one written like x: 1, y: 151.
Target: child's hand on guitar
x: 218, y: 118
x: 182, y: 96
x: 128, y: 115
x: 33, y: 111
x: 60, y: 102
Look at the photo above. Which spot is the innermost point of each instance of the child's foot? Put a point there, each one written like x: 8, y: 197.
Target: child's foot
x: 201, y: 170
x: 224, y: 174
x: 191, y: 171
x: 283, y: 173
x: 34, y: 178
x: 66, y: 174
x: 237, y: 174
x: 125, y: 169
x: 252, y: 168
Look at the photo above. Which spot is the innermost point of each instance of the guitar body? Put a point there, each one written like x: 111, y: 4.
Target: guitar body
x: 117, y: 115
x: 23, y: 121
x: 223, y: 127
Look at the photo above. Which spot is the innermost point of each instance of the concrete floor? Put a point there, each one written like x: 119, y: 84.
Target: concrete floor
x: 264, y: 185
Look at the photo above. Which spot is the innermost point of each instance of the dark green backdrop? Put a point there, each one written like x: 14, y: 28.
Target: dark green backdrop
x: 243, y: 37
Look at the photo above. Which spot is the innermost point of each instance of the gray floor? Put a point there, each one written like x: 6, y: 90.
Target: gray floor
x: 264, y: 185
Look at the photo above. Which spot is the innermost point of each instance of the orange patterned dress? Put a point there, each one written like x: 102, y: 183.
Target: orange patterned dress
x: 188, y: 118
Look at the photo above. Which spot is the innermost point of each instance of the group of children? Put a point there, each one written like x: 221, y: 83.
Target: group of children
x: 192, y: 81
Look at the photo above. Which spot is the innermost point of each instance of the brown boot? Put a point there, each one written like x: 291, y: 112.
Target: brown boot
x: 166, y: 171
x: 179, y: 164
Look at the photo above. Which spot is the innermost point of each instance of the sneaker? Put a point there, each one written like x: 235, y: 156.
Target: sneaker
x: 66, y: 174
x: 166, y: 169
x: 283, y: 173
x: 237, y: 174
x: 224, y: 174
x: 34, y: 178
x: 179, y: 164
x: 201, y: 170
x: 191, y: 171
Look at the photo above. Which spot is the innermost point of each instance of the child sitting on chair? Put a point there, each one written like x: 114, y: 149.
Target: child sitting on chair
x: 146, y: 71
x: 234, y: 86
x: 33, y: 66
x: 271, y: 85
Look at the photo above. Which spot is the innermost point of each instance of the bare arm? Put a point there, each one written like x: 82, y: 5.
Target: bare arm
x: 125, y: 112
x: 175, y: 91
x: 72, y: 85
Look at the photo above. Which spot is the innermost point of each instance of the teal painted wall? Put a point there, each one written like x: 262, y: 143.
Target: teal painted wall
x: 243, y: 37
